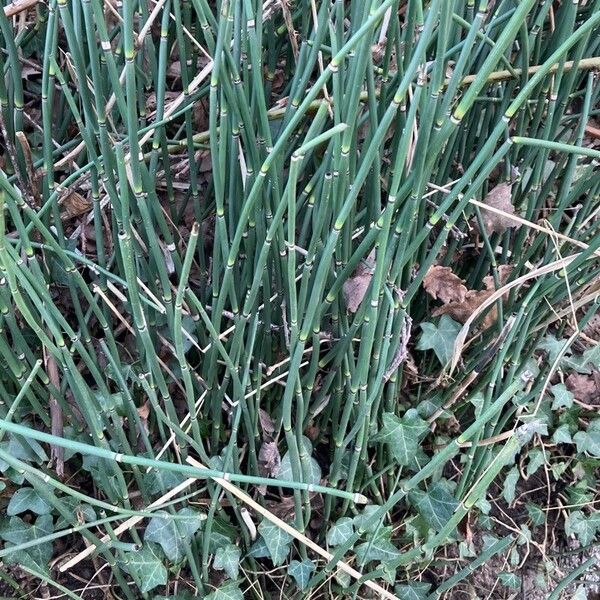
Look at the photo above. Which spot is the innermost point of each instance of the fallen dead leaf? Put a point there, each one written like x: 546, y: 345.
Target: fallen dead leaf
x: 143, y: 412
x: 356, y: 286
x: 504, y: 272
x: 584, y: 388
x: 266, y: 423
x: 442, y: 284
x: 461, y: 311
x: 500, y: 198
x: 151, y: 100
x: 75, y: 204
x: 459, y: 302
x: 592, y: 329
x: 269, y: 459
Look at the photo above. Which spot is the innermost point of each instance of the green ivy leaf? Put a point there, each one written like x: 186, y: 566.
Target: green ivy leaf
x: 436, y: 505
x: 536, y: 514
x: 277, y: 540
x: 585, y: 528
x: 15, y: 532
x: 75, y: 507
x: 259, y: 549
x: 378, y: 547
x: 222, y: 534
x: 536, y: 460
x: 110, y: 402
x: 159, y: 481
x: 314, y: 470
x: 440, y: 338
x: 228, y: 560
x: 27, y: 451
x: 173, y: 535
x: 229, y: 591
x: 402, y: 435
x: 27, y: 498
x: 413, y: 591
x: 580, y: 593
x: 553, y: 347
x: 562, y: 435
x: 563, y: 398
x: 301, y: 572
x: 588, y: 441
x: 510, y: 485
x: 100, y: 469
x: 146, y: 567
x: 361, y: 519
x: 341, y: 531
x: 510, y: 580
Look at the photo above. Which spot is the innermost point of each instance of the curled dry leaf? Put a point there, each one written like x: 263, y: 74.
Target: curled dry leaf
x: 269, y: 459
x: 356, y: 286
x: 504, y: 272
x: 500, y: 198
x: 584, y: 387
x: 266, y: 423
x: 75, y: 204
x: 461, y: 309
x: 442, y: 284
x: 144, y: 412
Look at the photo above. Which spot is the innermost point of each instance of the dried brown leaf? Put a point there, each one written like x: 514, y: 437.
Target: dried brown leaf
x: 75, y: 204
x: 356, y: 286
x: 583, y: 387
x: 266, y: 423
x: 143, y: 412
x: 500, y: 198
x: 442, y: 284
x: 504, y: 272
x: 461, y: 311
x: 269, y: 459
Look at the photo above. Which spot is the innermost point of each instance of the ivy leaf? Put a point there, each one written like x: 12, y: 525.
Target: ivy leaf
x: 27, y: 451
x: 436, y: 505
x: 378, y: 548
x: 536, y: 514
x: 301, y: 572
x: 440, y: 338
x: 277, y: 540
x: 222, y: 534
x: 146, y: 567
x: 585, y: 528
x: 110, y: 402
x: 314, y: 470
x: 15, y: 531
x: 562, y: 435
x: 76, y: 507
x: 510, y: 485
x: 402, y: 435
x: 229, y: 591
x: 159, y: 481
x: 536, y: 460
x: 228, y: 560
x: 588, y: 441
x: 173, y: 535
x: 27, y: 498
x: 510, y: 580
x: 100, y: 470
x: 341, y: 531
x: 259, y: 549
x: 580, y: 593
x: 553, y: 347
x: 360, y: 520
x: 563, y: 398
x: 413, y: 591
